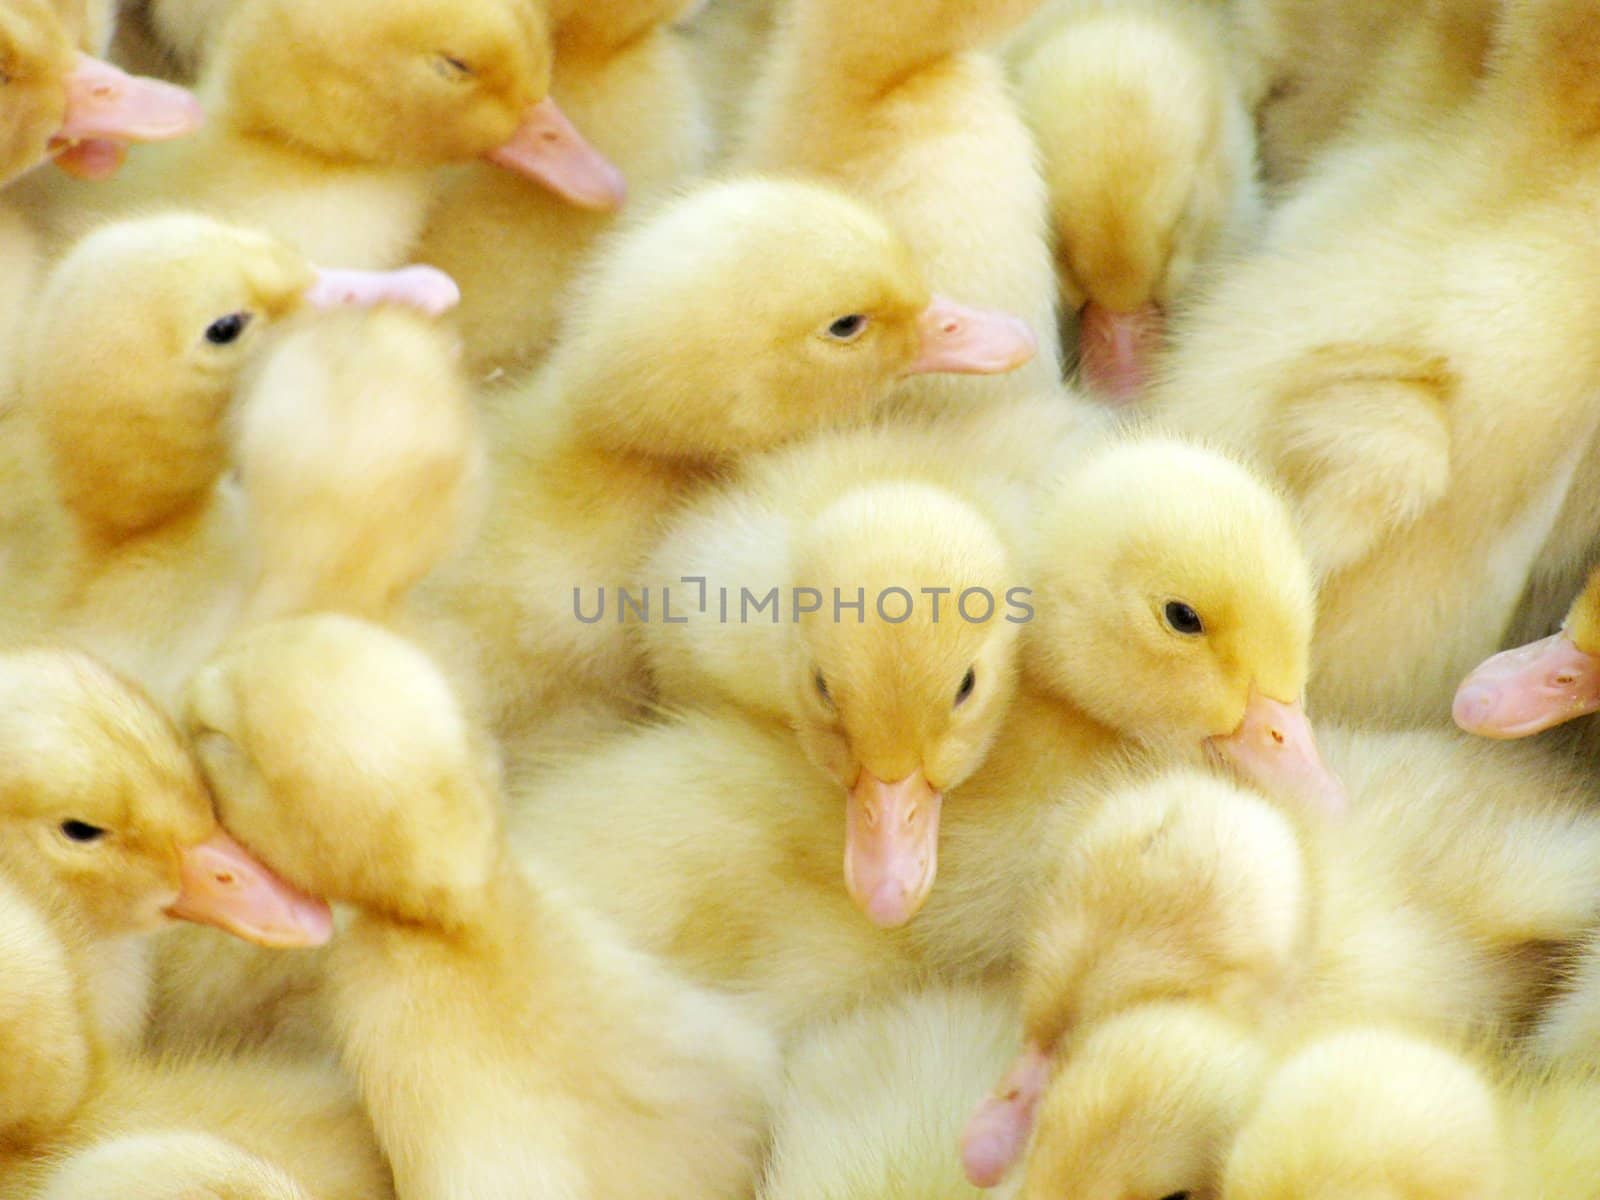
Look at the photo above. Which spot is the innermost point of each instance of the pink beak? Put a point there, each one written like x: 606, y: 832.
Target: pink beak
x: 1531, y: 688
x: 548, y: 149
x: 224, y: 885
x: 424, y: 288
x: 970, y: 341
x: 106, y: 103
x: 997, y: 1132
x: 1274, y: 749
x: 891, y: 846
x: 1115, y: 349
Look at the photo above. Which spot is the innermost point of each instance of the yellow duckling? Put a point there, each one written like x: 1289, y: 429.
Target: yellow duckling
x: 897, y: 103
x: 327, y: 123
x: 1376, y: 403
x: 624, y: 77
x: 742, y: 316
x: 500, y: 1036
x: 872, y: 1102
x: 105, y: 820
x: 1149, y: 156
x: 133, y: 548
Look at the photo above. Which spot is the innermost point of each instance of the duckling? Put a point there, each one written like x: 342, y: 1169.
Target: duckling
x: 872, y: 1102
x: 1384, y: 418
x: 1145, y: 1104
x: 63, y: 104
x: 361, y: 462
x: 84, y: 743
x: 897, y: 706
x: 1524, y: 691
x: 741, y: 316
x: 624, y: 77
x: 1149, y: 155
x: 499, y: 1034
x: 259, y: 1128
x: 133, y: 548
x: 328, y: 121
x: 896, y: 103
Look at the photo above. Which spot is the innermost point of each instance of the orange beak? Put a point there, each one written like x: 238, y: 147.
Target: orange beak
x: 1115, y: 350
x: 997, y: 1132
x: 1274, y: 749
x: 959, y: 340
x: 891, y: 846
x: 1529, y: 689
x: 426, y: 289
x: 548, y: 149
x: 224, y: 885
x: 107, y: 108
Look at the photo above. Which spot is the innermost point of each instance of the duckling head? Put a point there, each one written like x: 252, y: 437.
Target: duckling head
x: 336, y: 751
x: 900, y: 698
x: 753, y: 312
x: 101, y: 804
x: 58, y: 100
x: 1174, y: 604
x: 135, y: 349
x: 1144, y: 1107
x: 409, y: 83
x: 1371, y: 1114
x: 1182, y: 886
x: 1150, y: 160
x: 1527, y: 690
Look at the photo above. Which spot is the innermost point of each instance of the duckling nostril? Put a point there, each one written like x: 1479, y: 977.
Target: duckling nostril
x: 225, y: 878
x: 1565, y: 679
x: 1276, y: 735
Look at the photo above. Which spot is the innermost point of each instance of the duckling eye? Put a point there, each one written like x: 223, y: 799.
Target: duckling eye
x: 224, y: 331
x: 848, y: 329
x: 81, y: 832
x: 822, y: 689
x: 1177, y: 1196
x: 451, y: 68
x: 1182, y: 618
x: 968, y: 682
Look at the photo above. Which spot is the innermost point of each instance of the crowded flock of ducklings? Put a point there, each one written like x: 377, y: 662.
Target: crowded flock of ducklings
x: 726, y: 600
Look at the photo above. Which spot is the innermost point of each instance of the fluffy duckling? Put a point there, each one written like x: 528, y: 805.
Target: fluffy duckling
x: 132, y: 548
x: 1380, y: 409
x: 1529, y: 689
x: 61, y: 103
x: 896, y: 103
x: 361, y: 462
x: 256, y: 1128
x: 739, y: 317
x: 106, y: 823
x: 624, y: 77
x: 501, y: 1037
x: 1149, y: 156
x: 897, y: 706
x: 328, y: 122
x: 872, y: 1102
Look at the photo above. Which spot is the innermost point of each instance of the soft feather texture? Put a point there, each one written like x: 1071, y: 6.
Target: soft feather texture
x: 456, y: 958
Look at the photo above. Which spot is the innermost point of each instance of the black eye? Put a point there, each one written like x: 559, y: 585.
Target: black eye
x: 81, y: 831
x: 1177, y: 1196
x: 1183, y: 618
x: 968, y: 682
x: 847, y: 329
x: 226, y: 330
x: 822, y: 688
x: 452, y: 67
